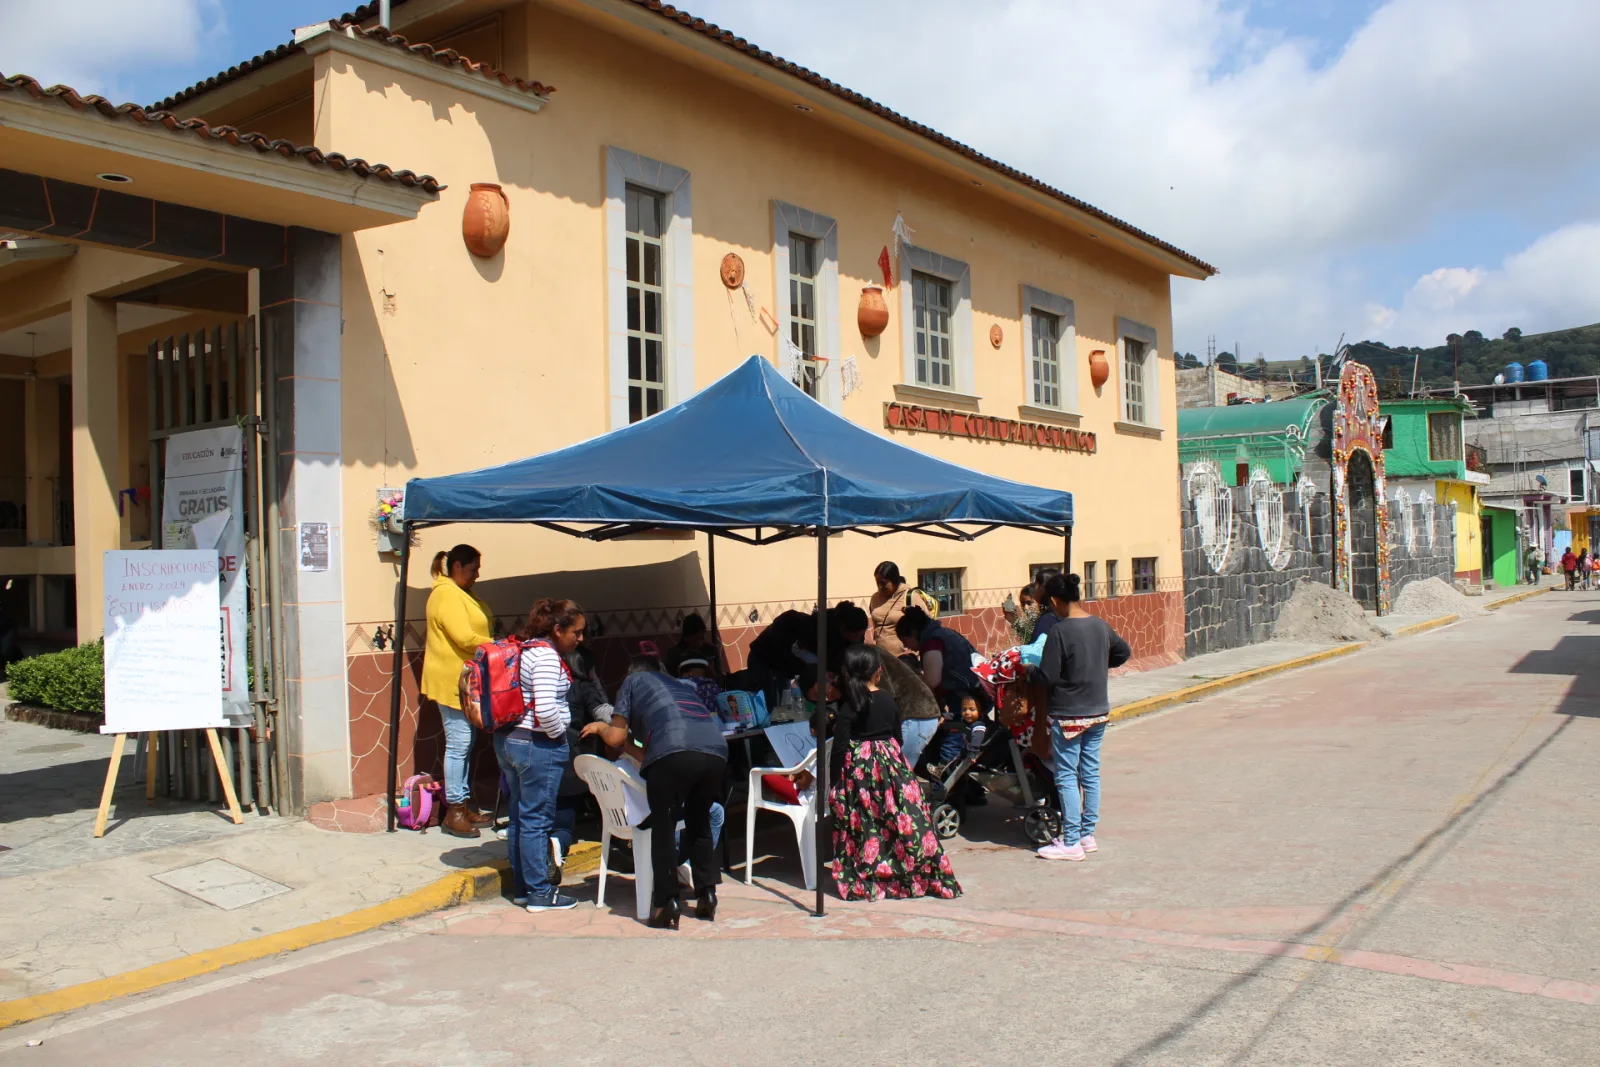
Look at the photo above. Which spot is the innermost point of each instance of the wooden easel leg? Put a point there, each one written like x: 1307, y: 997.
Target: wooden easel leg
x: 111, y: 783
x: 153, y: 743
x: 225, y: 773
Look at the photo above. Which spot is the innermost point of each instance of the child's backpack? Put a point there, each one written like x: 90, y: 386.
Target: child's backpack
x: 921, y: 598
x: 491, y: 685
x: 418, y: 805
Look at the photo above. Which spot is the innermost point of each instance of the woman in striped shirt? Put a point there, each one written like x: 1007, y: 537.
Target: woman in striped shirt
x: 533, y: 753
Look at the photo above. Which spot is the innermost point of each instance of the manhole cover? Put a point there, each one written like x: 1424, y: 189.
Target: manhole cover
x: 39, y: 750
x: 221, y: 884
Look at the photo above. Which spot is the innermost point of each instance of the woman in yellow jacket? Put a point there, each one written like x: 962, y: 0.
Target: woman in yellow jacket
x: 458, y: 623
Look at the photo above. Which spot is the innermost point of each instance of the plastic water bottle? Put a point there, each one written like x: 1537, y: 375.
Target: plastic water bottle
x: 794, y: 702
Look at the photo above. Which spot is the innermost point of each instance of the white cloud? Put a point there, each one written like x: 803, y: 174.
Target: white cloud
x: 1551, y: 284
x: 87, y: 43
x: 1238, y: 145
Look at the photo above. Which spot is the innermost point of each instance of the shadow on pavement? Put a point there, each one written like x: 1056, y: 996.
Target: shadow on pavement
x: 1156, y: 1049
x: 1578, y: 657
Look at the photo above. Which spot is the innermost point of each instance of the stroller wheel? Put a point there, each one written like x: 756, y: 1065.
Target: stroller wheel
x: 1042, y: 825
x: 946, y: 821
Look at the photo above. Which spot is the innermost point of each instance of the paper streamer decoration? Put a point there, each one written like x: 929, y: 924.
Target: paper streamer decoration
x: 849, y: 376
x: 884, y: 265
x: 902, y: 240
x: 790, y: 360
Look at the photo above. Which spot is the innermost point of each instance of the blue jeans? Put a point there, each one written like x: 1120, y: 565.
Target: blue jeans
x: 718, y: 815
x: 1077, y: 762
x: 914, y: 737
x: 457, y: 754
x: 533, y: 770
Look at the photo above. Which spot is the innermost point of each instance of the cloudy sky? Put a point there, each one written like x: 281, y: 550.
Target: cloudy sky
x: 1392, y: 170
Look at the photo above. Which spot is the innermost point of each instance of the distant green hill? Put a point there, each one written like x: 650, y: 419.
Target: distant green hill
x: 1568, y: 354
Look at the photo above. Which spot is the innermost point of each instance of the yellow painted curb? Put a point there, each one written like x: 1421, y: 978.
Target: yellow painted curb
x: 1424, y: 627
x: 447, y: 892
x: 1216, y: 685
x: 1517, y: 598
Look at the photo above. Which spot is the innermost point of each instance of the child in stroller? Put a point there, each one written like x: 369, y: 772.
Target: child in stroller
x: 993, y: 761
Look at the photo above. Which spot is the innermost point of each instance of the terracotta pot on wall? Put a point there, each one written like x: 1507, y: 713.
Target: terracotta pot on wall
x: 486, y: 222
x: 1099, y: 369
x: 873, y: 315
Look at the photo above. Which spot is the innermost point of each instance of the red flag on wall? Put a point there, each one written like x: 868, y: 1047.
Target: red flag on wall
x: 884, y: 264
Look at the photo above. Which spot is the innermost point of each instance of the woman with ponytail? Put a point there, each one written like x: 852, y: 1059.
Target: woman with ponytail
x: 458, y: 623
x: 1078, y: 656
x: 884, y: 844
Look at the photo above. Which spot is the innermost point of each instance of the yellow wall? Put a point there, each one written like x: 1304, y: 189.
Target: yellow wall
x: 1469, y: 531
x: 453, y: 363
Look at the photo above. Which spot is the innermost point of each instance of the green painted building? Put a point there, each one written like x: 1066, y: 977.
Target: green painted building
x: 1500, y: 546
x: 1242, y: 437
x: 1424, y: 450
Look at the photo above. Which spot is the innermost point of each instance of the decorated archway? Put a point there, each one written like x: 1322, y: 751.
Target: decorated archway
x: 1360, y: 505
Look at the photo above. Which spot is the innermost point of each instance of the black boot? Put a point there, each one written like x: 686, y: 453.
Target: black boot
x: 705, y: 906
x: 664, y: 917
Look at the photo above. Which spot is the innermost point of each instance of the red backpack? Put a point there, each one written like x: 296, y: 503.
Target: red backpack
x: 491, y: 684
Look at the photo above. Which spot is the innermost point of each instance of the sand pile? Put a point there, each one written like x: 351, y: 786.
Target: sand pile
x: 1321, y: 614
x: 1434, y: 597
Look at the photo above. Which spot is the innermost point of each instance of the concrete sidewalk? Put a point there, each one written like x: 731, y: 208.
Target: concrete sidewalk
x: 96, y: 908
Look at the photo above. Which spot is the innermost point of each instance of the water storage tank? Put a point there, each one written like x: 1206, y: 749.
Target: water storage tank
x: 1513, y: 373
x: 1537, y: 371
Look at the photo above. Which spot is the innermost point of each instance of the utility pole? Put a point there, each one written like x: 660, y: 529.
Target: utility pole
x: 1416, y: 361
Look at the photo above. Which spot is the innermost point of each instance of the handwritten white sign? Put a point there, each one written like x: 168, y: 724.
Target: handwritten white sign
x: 162, y: 669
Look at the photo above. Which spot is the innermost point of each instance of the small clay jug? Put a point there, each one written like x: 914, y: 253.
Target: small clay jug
x: 1099, y: 369
x: 486, y: 222
x: 873, y: 315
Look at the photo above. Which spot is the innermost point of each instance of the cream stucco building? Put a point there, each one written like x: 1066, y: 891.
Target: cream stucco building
x: 374, y: 347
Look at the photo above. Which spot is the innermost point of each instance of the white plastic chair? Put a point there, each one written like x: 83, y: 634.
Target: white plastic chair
x: 611, y: 786
x: 803, y: 815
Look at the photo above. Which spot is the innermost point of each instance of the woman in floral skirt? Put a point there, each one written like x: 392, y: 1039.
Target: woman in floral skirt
x: 883, y: 839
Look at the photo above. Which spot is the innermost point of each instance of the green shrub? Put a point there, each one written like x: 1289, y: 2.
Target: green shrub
x: 70, y: 680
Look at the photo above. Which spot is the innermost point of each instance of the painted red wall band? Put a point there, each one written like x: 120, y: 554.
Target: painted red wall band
x: 914, y: 417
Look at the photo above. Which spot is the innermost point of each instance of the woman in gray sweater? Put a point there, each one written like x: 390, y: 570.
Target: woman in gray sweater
x: 1078, y: 656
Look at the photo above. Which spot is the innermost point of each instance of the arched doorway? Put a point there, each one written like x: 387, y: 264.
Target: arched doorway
x: 1363, y: 530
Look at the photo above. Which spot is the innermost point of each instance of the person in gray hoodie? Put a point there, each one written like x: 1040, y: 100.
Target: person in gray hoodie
x: 1078, y: 656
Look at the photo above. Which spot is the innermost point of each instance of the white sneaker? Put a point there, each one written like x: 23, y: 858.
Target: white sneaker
x: 1087, y: 841
x: 1060, y: 850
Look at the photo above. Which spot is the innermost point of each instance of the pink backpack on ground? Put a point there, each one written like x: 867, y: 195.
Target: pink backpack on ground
x: 420, y: 801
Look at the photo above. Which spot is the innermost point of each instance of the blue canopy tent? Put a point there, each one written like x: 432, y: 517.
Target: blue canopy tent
x: 784, y: 466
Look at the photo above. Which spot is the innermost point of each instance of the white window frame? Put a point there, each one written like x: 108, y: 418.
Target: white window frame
x: 622, y: 169
x: 788, y: 219
x: 959, y: 275
x: 1150, y: 365
x: 1066, y: 348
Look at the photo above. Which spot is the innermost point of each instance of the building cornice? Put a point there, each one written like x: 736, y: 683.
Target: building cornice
x: 352, y: 41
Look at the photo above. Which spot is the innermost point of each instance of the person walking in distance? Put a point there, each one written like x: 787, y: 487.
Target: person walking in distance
x: 1078, y: 656
x: 1569, y: 567
x: 458, y: 623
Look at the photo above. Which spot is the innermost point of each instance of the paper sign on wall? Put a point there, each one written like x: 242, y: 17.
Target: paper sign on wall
x: 202, y: 507
x: 314, y: 546
x: 161, y: 613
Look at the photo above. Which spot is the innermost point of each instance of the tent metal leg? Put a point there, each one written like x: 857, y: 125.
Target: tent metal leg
x: 819, y: 719
x: 1066, y: 553
x: 711, y: 569
x: 399, y: 640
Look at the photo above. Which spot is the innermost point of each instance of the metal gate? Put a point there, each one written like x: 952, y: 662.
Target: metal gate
x: 204, y: 380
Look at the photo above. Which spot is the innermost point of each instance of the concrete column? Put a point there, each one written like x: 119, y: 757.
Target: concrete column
x: 42, y: 455
x: 301, y: 327
x: 96, y: 448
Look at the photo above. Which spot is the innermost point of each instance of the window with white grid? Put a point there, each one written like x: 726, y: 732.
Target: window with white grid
x: 1046, y: 359
x: 931, y: 305
x: 647, y: 307
x: 1133, y: 380
x: 805, y: 260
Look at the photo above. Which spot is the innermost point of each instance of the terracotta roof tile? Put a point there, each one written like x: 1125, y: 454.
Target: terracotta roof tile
x: 445, y: 56
x: 226, y: 134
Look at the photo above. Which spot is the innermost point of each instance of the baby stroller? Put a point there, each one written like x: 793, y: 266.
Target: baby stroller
x: 1000, y: 766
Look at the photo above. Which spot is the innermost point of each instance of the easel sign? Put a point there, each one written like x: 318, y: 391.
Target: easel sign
x: 163, y: 657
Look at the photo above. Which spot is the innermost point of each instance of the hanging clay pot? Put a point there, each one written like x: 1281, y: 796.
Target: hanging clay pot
x: 486, y: 222
x: 732, y: 270
x: 873, y: 315
x: 997, y: 336
x: 1099, y: 369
